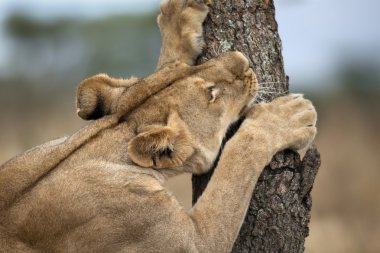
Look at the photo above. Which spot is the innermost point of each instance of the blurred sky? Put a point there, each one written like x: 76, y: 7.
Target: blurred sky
x: 317, y: 35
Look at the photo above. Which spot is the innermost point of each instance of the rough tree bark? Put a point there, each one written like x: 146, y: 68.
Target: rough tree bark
x: 279, y: 212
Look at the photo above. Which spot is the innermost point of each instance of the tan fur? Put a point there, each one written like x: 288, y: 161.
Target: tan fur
x: 100, y: 190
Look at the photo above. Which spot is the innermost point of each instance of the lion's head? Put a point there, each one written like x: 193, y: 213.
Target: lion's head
x: 180, y: 114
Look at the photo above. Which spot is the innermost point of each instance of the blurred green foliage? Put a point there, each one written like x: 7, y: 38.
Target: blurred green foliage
x: 360, y: 78
x: 50, y: 56
x: 23, y: 27
x: 71, y: 49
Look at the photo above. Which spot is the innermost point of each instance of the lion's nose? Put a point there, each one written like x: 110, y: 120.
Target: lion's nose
x: 251, y: 82
x: 242, y: 60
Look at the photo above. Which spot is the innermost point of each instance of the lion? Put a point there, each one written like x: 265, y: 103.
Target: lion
x: 101, y: 189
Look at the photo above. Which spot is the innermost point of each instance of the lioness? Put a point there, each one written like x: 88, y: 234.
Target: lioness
x: 100, y: 190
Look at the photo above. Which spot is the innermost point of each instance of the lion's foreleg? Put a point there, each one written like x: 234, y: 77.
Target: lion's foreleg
x: 181, y: 29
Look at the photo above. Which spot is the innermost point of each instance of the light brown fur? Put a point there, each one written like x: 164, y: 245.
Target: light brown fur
x: 100, y: 190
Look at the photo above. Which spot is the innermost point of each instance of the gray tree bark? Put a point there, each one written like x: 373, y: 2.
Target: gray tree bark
x: 279, y: 212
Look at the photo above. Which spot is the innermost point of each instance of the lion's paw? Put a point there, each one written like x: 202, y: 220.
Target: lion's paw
x: 96, y: 96
x: 87, y: 100
x: 180, y: 24
x: 302, y: 121
x: 188, y: 14
x: 289, y: 121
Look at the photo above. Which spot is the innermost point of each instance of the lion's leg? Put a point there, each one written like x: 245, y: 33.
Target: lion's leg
x: 220, y: 211
x: 213, y: 223
x: 181, y: 29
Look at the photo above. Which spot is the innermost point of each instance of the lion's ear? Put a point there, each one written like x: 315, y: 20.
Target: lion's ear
x: 162, y: 146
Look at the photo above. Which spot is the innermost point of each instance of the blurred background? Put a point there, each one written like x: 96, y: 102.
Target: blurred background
x: 331, y: 52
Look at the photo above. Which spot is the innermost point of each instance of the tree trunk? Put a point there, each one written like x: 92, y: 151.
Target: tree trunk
x: 279, y: 213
